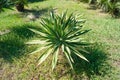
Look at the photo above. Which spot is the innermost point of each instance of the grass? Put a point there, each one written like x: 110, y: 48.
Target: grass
x: 17, y: 64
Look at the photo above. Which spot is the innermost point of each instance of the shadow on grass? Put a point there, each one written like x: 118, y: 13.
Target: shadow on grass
x: 23, y: 31
x: 32, y: 1
x: 84, y: 1
x: 34, y: 14
x: 12, y: 45
x: 97, y: 64
x: 92, y: 7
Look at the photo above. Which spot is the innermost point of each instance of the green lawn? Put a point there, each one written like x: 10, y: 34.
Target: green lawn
x: 17, y: 64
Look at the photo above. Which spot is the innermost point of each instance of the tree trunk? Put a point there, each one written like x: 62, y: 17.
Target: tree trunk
x: 92, y: 1
x: 20, y: 7
x: 116, y: 12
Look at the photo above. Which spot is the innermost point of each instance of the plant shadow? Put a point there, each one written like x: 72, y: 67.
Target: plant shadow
x: 32, y: 1
x: 84, y: 70
x: 97, y: 62
x: 84, y: 1
x: 23, y: 31
x: 34, y: 14
x: 92, y: 7
x: 12, y: 45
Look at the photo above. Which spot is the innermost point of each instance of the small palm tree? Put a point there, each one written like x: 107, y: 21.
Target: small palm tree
x: 60, y: 35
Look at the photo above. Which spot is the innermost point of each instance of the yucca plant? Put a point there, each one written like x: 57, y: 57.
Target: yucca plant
x: 111, y: 6
x: 60, y: 35
x: 114, y: 8
x: 104, y: 4
x: 4, y: 4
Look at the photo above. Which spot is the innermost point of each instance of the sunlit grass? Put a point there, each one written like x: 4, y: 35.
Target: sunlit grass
x: 18, y: 65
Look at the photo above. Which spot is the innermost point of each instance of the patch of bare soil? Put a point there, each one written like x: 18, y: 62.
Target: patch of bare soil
x: 96, y: 10
x: 4, y: 32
